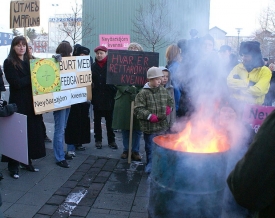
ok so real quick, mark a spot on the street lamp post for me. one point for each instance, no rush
(55, 26)
(238, 31)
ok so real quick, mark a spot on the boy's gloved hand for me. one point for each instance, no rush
(168, 110)
(153, 118)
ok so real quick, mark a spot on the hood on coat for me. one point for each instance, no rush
(169, 82)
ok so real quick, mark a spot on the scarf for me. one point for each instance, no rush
(102, 62)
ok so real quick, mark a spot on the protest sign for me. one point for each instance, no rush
(256, 114)
(129, 67)
(56, 85)
(24, 14)
(14, 147)
(118, 42)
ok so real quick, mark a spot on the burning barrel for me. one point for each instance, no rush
(186, 182)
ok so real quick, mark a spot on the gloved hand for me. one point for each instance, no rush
(168, 110)
(57, 57)
(154, 118)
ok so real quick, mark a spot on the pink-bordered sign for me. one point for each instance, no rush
(118, 42)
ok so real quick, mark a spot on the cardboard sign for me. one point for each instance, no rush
(24, 14)
(256, 114)
(129, 67)
(119, 42)
(14, 147)
(57, 85)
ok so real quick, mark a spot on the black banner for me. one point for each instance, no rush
(129, 67)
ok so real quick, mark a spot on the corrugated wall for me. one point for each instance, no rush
(115, 17)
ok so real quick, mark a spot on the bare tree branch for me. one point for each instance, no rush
(152, 25)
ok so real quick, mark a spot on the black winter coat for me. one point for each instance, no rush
(21, 94)
(78, 125)
(102, 94)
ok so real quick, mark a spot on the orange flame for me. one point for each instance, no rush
(197, 137)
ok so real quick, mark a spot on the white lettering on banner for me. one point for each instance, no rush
(64, 98)
(73, 80)
(78, 95)
(83, 63)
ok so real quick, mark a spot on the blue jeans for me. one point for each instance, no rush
(60, 121)
(135, 140)
(148, 139)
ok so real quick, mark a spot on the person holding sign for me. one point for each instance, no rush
(60, 118)
(152, 106)
(122, 114)
(18, 75)
(102, 98)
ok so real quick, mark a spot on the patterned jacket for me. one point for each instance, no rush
(152, 101)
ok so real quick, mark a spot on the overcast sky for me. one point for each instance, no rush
(225, 14)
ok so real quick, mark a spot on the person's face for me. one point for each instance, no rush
(224, 54)
(165, 77)
(100, 55)
(133, 48)
(155, 82)
(247, 58)
(20, 49)
(208, 46)
(30, 49)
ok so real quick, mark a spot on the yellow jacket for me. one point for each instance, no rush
(249, 87)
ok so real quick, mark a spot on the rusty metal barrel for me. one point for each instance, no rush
(185, 184)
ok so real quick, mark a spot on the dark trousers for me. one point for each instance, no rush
(98, 114)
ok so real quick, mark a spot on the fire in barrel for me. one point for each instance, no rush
(189, 172)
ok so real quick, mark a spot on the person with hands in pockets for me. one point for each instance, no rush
(152, 106)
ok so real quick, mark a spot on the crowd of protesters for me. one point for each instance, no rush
(176, 92)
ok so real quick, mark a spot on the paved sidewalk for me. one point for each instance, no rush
(98, 184)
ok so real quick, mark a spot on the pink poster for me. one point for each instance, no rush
(13, 135)
(117, 42)
(255, 115)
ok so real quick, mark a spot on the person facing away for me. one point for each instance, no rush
(122, 113)
(60, 118)
(270, 96)
(166, 83)
(252, 179)
(152, 106)
(77, 130)
(102, 98)
(18, 75)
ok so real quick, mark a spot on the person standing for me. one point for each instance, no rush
(60, 118)
(122, 115)
(18, 75)
(77, 130)
(2, 85)
(102, 98)
(152, 106)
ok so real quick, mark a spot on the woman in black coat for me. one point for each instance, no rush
(17, 72)
(77, 131)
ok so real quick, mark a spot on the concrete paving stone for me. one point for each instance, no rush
(95, 187)
(63, 191)
(119, 188)
(56, 200)
(48, 184)
(89, 161)
(131, 178)
(77, 176)
(5, 206)
(31, 198)
(88, 202)
(69, 184)
(104, 173)
(58, 215)
(100, 179)
(81, 211)
(84, 168)
(41, 216)
(90, 215)
(140, 204)
(138, 215)
(48, 209)
(10, 195)
(21, 210)
(143, 188)
(94, 170)
(85, 182)
(100, 162)
(114, 201)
